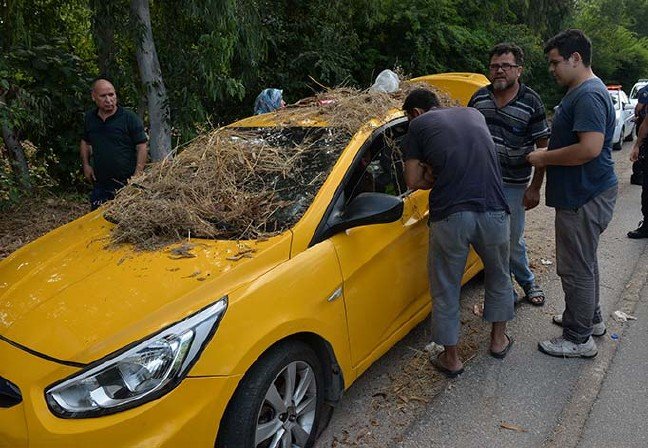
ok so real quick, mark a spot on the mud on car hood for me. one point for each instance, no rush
(69, 297)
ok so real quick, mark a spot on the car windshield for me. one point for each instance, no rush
(293, 179)
(236, 183)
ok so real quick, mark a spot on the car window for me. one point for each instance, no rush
(635, 90)
(311, 153)
(380, 166)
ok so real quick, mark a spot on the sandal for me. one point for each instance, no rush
(504, 352)
(436, 362)
(535, 296)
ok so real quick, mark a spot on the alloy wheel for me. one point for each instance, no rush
(287, 415)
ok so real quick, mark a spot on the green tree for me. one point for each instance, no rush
(619, 54)
(38, 77)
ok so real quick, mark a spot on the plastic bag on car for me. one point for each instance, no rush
(386, 81)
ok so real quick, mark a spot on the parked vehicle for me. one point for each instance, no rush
(114, 347)
(635, 90)
(624, 111)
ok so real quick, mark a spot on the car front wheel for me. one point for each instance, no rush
(278, 403)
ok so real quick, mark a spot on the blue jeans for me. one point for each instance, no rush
(518, 260)
(450, 241)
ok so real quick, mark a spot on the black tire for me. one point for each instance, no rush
(629, 138)
(249, 409)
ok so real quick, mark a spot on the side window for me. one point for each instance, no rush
(380, 167)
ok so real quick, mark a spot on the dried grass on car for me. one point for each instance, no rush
(245, 184)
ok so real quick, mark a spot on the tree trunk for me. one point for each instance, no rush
(151, 76)
(16, 155)
(103, 29)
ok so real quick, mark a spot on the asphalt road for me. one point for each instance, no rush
(529, 399)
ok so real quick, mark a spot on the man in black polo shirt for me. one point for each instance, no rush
(516, 119)
(115, 141)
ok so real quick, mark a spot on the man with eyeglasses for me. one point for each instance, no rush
(449, 152)
(581, 186)
(516, 120)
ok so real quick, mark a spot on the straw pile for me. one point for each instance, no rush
(244, 183)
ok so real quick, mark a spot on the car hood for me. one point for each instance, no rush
(70, 297)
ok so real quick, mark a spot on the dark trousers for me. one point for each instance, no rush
(644, 194)
(99, 195)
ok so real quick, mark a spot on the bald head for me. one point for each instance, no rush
(104, 96)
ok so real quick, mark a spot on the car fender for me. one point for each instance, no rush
(302, 295)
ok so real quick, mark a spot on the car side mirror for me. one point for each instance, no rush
(365, 209)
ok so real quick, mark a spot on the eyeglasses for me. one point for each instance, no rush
(505, 67)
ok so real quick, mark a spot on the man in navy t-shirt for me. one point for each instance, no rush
(581, 186)
(450, 151)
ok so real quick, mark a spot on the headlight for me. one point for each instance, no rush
(138, 373)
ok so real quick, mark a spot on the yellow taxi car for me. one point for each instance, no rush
(118, 348)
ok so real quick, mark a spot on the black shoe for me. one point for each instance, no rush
(640, 232)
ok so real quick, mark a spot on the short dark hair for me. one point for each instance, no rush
(422, 99)
(506, 47)
(569, 42)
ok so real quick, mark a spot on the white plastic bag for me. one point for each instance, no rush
(387, 81)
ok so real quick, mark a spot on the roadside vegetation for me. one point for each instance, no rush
(210, 58)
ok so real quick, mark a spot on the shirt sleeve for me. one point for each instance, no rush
(412, 143)
(590, 113)
(136, 129)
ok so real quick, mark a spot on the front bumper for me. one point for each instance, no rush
(189, 415)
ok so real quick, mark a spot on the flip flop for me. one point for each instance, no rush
(503, 353)
(533, 293)
(436, 362)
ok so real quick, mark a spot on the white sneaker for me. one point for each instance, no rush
(563, 348)
(598, 330)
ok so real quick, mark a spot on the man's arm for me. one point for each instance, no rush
(641, 135)
(589, 146)
(532, 193)
(142, 157)
(418, 175)
(84, 151)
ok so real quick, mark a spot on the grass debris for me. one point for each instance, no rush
(247, 183)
